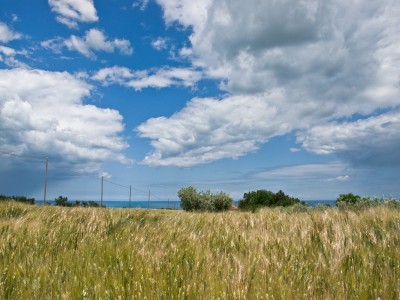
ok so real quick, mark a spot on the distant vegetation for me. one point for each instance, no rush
(191, 200)
(351, 201)
(63, 201)
(17, 199)
(263, 198)
(75, 253)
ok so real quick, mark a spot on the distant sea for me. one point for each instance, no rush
(170, 204)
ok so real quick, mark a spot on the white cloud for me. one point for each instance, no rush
(7, 51)
(42, 114)
(343, 178)
(156, 78)
(7, 34)
(371, 141)
(142, 4)
(328, 60)
(294, 150)
(209, 129)
(93, 41)
(69, 12)
(159, 44)
(7, 56)
(320, 171)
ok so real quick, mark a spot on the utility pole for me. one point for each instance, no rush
(148, 201)
(102, 183)
(130, 195)
(45, 182)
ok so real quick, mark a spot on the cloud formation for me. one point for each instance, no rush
(43, 114)
(70, 12)
(374, 141)
(317, 171)
(7, 34)
(210, 129)
(159, 44)
(93, 41)
(326, 59)
(156, 78)
(7, 56)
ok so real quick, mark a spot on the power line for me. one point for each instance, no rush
(116, 184)
(78, 174)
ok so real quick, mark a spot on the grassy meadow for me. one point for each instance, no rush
(99, 253)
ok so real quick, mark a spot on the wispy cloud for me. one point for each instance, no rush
(7, 34)
(160, 44)
(93, 41)
(154, 78)
(70, 12)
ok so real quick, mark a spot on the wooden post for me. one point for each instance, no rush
(102, 183)
(45, 182)
(130, 195)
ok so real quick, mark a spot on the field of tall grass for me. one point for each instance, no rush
(99, 253)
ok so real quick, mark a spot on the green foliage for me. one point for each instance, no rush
(348, 199)
(263, 198)
(21, 199)
(87, 204)
(62, 201)
(191, 200)
(356, 202)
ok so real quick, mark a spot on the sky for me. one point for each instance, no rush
(233, 96)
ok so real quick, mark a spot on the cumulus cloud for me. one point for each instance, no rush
(156, 78)
(7, 34)
(93, 41)
(374, 141)
(328, 60)
(43, 114)
(70, 12)
(210, 129)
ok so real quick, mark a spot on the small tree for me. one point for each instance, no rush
(222, 202)
(61, 201)
(348, 199)
(191, 200)
(261, 198)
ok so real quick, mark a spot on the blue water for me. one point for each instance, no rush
(170, 204)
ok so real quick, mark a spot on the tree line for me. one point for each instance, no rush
(192, 200)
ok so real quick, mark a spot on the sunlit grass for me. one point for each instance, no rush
(95, 253)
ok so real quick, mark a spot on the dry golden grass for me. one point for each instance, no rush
(92, 253)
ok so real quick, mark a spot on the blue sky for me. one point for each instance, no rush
(222, 95)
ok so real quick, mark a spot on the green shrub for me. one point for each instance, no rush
(191, 200)
(356, 202)
(349, 199)
(263, 198)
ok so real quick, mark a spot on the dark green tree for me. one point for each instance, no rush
(62, 201)
(348, 199)
(263, 198)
